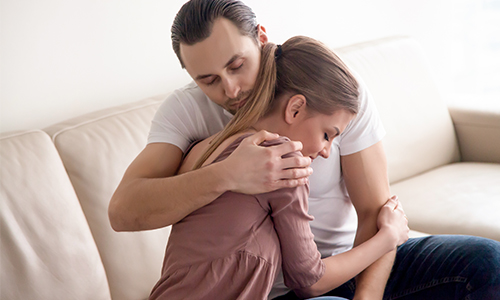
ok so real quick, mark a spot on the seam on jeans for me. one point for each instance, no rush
(469, 287)
(433, 283)
(352, 286)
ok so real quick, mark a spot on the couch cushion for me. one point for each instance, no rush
(96, 149)
(460, 198)
(420, 134)
(47, 248)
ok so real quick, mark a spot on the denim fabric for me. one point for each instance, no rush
(440, 267)
(327, 298)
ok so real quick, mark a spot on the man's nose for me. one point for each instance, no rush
(231, 88)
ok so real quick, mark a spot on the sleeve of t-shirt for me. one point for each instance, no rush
(366, 128)
(172, 123)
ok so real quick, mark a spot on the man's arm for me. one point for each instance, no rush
(152, 196)
(365, 175)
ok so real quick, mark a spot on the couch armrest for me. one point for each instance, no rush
(478, 133)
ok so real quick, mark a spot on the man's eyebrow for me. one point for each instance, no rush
(229, 62)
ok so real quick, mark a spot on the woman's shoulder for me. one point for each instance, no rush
(198, 148)
(193, 152)
(223, 151)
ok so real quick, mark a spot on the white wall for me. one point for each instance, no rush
(60, 58)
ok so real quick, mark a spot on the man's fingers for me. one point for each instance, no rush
(295, 162)
(287, 147)
(296, 173)
(289, 183)
(261, 137)
(278, 150)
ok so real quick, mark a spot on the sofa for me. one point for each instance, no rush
(56, 182)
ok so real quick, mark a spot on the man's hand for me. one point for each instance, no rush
(253, 169)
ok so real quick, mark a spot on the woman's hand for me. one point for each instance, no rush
(392, 220)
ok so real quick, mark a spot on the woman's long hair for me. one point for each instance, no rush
(303, 66)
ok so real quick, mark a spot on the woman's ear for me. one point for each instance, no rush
(261, 35)
(295, 109)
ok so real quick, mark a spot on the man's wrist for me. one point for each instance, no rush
(223, 178)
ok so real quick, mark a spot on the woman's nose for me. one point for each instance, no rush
(325, 152)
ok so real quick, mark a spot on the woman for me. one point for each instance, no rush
(234, 247)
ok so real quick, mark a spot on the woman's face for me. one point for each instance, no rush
(317, 131)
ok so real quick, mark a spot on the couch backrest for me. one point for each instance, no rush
(96, 149)
(47, 249)
(420, 134)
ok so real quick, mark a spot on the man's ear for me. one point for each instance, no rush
(295, 109)
(261, 35)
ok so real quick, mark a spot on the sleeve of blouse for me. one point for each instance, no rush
(301, 260)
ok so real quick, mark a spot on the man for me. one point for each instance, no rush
(218, 43)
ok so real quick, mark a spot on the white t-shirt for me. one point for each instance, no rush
(188, 115)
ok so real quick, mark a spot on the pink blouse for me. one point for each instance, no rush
(234, 247)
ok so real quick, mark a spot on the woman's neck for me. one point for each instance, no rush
(272, 123)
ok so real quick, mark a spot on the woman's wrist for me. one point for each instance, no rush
(388, 237)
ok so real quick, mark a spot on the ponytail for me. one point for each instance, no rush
(258, 103)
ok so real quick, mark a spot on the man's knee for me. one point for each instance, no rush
(485, 261)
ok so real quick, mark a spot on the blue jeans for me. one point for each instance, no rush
(439, 267)
(327, 298)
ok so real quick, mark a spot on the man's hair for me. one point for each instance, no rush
(302, 65)
(194, 21)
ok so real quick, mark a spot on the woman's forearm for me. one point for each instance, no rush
(342, 267)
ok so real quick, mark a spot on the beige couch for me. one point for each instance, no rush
(56, 241)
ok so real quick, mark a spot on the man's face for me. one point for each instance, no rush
(224, 65)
